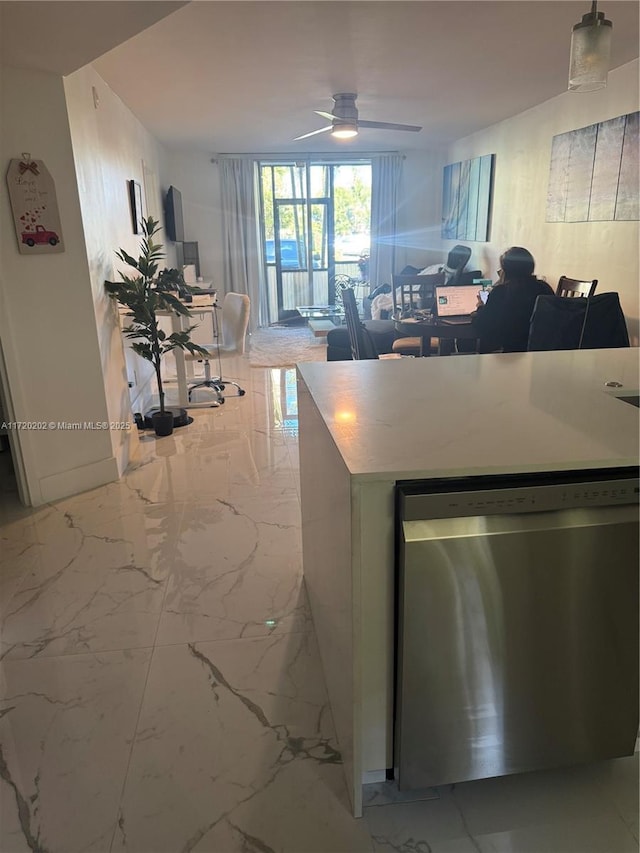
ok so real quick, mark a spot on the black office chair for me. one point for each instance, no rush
(457, 259)
(577, 323)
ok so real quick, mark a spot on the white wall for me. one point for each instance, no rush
(111, 147)
(198, 180)
(47, 320)
(420, 213)
(607, 251)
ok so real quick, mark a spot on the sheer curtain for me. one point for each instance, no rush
(242, 260)
(386, 171)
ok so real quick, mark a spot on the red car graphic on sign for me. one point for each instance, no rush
(40, 235)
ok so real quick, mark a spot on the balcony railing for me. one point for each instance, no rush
(297, 290)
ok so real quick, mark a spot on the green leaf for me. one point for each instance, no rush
(143, 350)
(127, 259)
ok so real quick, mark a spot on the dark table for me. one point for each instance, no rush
(436, 328)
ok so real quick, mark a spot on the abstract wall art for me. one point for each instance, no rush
(466, 199)
(594, 173)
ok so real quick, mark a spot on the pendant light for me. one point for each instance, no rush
(590, 51)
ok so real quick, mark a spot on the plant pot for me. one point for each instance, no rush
(162, 423)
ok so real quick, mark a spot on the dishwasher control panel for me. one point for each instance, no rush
(532, 497)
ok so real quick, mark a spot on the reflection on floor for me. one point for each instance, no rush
(162, 686)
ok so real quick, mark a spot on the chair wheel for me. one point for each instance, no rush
(241, 392)
(221, 400)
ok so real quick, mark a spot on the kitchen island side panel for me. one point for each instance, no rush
(325, 492)
(373, 560)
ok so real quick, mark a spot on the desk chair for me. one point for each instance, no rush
(457, 259)
(570, 287)
(231, 340)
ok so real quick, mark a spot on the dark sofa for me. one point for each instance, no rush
(382, 331)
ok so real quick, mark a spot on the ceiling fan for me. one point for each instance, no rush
(345, 122)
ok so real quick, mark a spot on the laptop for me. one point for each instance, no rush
(455, 304)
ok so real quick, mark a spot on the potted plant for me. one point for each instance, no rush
(144, 295)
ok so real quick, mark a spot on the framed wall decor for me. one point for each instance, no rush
(151, 192)
(32, 193)
(593, 175)
(466, 199)
(135, 201)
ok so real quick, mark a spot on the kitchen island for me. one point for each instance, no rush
(366, 425)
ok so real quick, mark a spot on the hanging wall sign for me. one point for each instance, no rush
(35, 207)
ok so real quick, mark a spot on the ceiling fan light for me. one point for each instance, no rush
(590, 52)
(344, 130)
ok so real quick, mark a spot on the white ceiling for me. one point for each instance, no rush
(246, 76)
(63, 36)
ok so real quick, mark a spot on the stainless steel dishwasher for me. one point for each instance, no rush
(517, 624)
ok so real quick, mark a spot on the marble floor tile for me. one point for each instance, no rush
(419, 826)
(188, 571)
(544, 797)
(237, 572)
(66, 727)
(19, 552)
(620, 782)
(98, 582)
(589, 835)
(535, 824)
(248, 756)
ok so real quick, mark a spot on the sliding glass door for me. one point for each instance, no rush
(315, 223)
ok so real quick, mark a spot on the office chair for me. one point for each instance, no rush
(570, 287)
(231, 340)
(457, 259)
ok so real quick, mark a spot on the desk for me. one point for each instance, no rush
(435, 328)
(201, 305)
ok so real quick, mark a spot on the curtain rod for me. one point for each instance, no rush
(288, 156)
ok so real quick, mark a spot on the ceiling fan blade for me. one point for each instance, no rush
(385, 125)
(314, 132)
(325, 115)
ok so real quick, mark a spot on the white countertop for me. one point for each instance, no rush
(479, 414)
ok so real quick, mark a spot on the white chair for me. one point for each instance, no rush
(231, 340)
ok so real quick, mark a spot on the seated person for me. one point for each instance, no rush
(502, 322)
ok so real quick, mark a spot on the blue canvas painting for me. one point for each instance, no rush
(466, 199)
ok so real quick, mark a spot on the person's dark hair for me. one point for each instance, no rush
(517, 265)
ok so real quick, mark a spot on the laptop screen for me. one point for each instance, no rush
(456, 301)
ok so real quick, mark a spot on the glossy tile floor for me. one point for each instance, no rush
(162, 686)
